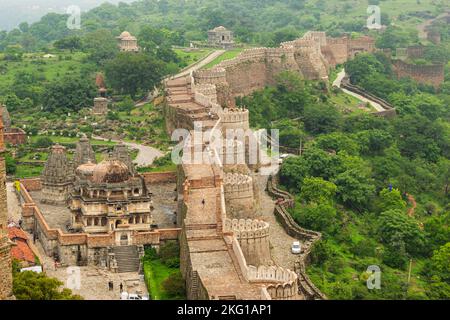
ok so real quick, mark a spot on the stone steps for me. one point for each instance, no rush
(127, 259)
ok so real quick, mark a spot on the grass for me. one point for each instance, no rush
(230, 54)
(347, 103)
(47, 69)
(155, 273)
(70, 140)
(28, 171)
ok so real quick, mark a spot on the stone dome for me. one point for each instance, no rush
(110, 171)
(125, 34)
(86, 169)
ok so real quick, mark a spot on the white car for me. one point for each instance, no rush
(296, 247)
(132, 296)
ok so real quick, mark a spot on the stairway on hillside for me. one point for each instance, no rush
(127, 258)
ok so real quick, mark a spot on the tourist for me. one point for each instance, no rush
(121, 287)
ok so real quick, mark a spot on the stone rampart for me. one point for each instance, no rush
(253, 237)
(426, 74)
(239, 195)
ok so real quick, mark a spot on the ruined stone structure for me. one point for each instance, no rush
(426, 74)
(127, 42)
(83, 152)
(221, 37)
(57, 176)
(14, 136)
(107, 197)
(100, 106)
(5, 245)
(339, 50)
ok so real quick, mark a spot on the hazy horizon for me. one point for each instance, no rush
(14, 13)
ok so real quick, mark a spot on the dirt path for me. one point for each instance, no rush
(413, 205)
(280, 241)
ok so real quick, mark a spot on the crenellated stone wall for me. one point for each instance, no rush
(253, 237)
(239, 196)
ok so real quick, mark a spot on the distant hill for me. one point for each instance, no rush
(265, 22)
(12, 13)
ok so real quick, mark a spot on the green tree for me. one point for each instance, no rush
(354, 189)
(317, 216)
(391, 200)
(317, 190)
(395, 226)
(29, 285)
(71, 43)
(129, 73)
(69, 93)
(321, 118)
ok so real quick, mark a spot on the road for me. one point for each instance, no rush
(146, 155)
(199, 64)
(337, 83)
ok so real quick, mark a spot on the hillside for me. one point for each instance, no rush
(253, 21)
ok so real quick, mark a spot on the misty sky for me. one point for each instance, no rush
(13, 12)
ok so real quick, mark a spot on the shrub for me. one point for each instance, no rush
(174, 285)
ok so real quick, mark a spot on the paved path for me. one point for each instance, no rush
(199, 64)
(14, 209)
(146, 155)
(280, 241)
(337, 83)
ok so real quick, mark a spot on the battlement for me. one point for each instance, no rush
(247, 228)
(235, 115)
(238, 183)
(210, 76)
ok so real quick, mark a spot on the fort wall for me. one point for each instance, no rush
(253, 237)
(239, 196)
(426, 74)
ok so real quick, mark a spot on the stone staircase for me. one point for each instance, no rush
(127, 258)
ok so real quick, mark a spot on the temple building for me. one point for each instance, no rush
(127, 42)
(221, 37)
(57, 177)
(120, 152)
(107, 197)
(83, 152)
